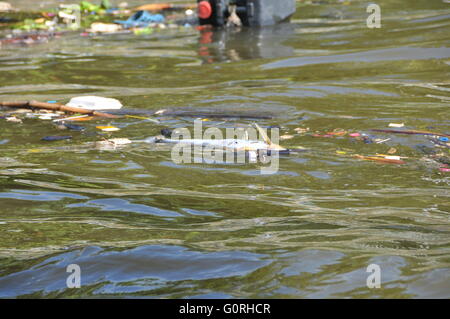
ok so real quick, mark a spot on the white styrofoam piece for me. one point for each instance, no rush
(95, 103)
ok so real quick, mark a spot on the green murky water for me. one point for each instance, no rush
(140, 225)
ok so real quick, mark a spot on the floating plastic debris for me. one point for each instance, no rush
(392, 150)
(391, 156)
(119, 141)
(286, 137)
(379, 141)
(301, 130)
(99, 27)
(21, 111)
(321, 135)
(5, 6)
(113, 143)
(159, 112)
(397, 158)
(438, 143)
(381, 159)
(108, 128)
(47, 116)
(95, 103)
(226, 144)
(13, 119)
(396, 124)
(56, 138)
(337, 132)
(231, 144)
(141, 19)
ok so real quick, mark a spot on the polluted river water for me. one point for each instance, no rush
(139, 224)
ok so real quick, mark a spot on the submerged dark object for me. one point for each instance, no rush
(443, 159)
(56, 138)
(6, 20)
(73, 127)
(426, 150)
(166, 132)
(367, 140)
(250, 12)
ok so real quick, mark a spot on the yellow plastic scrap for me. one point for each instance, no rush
(108, 128)
(137, 117)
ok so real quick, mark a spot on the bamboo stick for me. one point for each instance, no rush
(55, 107)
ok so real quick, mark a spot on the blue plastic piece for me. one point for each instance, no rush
(443, 139)
(51, 101)
(56, 138)
(141, 19)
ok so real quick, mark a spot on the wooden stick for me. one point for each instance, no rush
(55, 107)
(380, 159)
(411, 132)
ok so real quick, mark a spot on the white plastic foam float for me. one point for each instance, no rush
(95, 103)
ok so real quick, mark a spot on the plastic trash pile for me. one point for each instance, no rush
(438, 154)
(435, 151)
(90, 18)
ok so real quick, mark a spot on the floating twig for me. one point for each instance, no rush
(410, 132)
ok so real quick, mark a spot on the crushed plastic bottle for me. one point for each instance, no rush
(141, 19)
